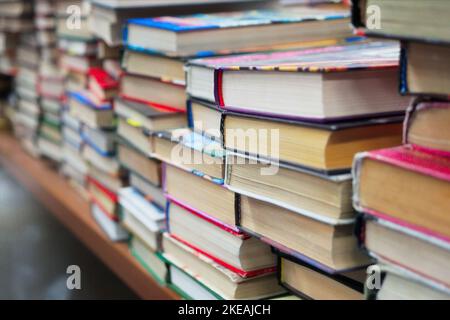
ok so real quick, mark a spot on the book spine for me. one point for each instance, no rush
(403, 75)
(218, 87)
(157, 106)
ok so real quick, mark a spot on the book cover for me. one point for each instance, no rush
(85, 97)
(200, 22)
(104, 80)
(349, 282)
(332, 59)
(408, 159)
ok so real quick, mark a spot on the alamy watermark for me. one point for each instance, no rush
(74, 279)
(254, 142)
(373, 17)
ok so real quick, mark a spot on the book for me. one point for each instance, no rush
(146, 117)
(332, 248)
(49, 149)
(104, 142)
(107, 164)
(318, 84)
(220, 282)
(214, 200)
(393, 243)
(187, 286)
(323, 197)
(204, 34)
(134, 135)
(244, 255)
(15, 8)
(397, 19)
(82, 107)
(149, 259)
(323, 147)
(112, 229)
(155, 93)
(309, 282)
(104, 198)
(113, 182)
(412, 180)
(402, 285)
(421, 74)
(77, 47)
(141, 218)
(190, 151)
(152, 193)
(426, 126)
(102, 85)
(135, 161)
(79, 64)
(72, 157)
(109, 16)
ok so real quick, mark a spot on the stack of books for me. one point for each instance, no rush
(27, 116)
(50, 85)
(406, 225)
(77, 53)
(290, 123)
(152, 103)
(15, 18)
(196, 157)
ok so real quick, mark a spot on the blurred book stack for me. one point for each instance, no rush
(24, 64)
(50, 85)
(15, 18)
(115, 162)
(151, 99)
(406, 223)
(77, 52)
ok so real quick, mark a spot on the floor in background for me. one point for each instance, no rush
(35, 251)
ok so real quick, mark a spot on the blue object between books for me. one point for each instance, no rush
(87, 102)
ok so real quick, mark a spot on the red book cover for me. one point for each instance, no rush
(408, 159)
(108, 193)
(103, 79)
(242, 273)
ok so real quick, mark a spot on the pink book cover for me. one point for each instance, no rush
(409, 159)
(421, 105)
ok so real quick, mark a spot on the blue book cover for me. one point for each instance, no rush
(198, 22)
(85, 99)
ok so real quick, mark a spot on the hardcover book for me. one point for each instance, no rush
(398, 19)
(315, 84)
(204, 34)
(221, 282)
(309, 282)
(426, 126)
(246, 256)
(392, 244)
(421, 74)
(412, 180)
(190, 151)
(323, 147)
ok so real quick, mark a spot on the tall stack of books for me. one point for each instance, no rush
(77, 53)
(197, 159)
(27, 116)
(152, 99)
(50, 86)
(15, 18)
(290, 123)
(404, 192)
